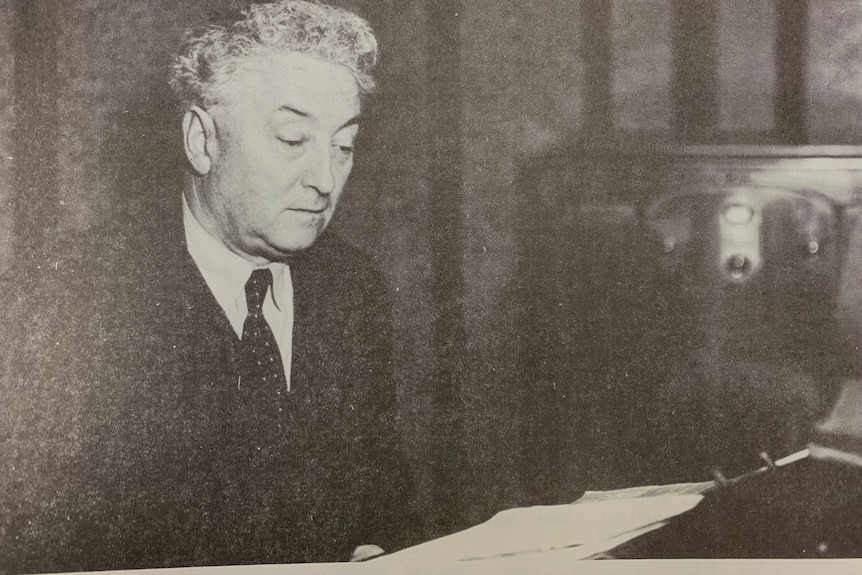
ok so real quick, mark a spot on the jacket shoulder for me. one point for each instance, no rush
(332, 259)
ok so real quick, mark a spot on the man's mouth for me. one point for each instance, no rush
(311, 210)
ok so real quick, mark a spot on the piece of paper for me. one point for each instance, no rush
(595, 523)
(648, 491)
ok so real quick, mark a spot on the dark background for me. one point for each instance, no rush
(498, 182)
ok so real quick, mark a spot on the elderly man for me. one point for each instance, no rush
(216, 389)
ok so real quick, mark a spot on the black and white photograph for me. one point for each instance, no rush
(430, 286)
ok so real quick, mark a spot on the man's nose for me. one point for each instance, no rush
(318, 173)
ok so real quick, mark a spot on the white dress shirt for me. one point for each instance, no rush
(226, 274)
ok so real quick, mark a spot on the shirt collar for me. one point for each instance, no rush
(225, 272)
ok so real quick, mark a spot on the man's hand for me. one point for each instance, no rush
(365, 552)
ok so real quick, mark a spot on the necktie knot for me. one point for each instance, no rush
(256, 287)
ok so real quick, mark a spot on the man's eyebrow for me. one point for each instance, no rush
(351, 122)
(293, 110)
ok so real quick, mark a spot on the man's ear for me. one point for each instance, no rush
(199, 140)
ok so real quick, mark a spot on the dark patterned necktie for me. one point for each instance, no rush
(262, 365)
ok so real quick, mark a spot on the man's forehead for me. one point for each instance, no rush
(290, 79)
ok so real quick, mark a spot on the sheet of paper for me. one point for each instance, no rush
(648, 491)
(588, 523)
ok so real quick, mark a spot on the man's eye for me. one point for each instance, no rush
(343, 153)
(291, 143)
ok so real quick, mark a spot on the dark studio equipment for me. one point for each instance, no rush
(688, 310)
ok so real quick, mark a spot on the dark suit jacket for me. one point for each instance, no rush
(127, 442)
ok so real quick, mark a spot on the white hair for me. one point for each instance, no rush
(210, 55)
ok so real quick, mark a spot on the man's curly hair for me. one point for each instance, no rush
(209, 55)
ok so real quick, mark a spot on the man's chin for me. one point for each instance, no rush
(297, 242)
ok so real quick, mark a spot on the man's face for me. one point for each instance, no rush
(285, 134)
